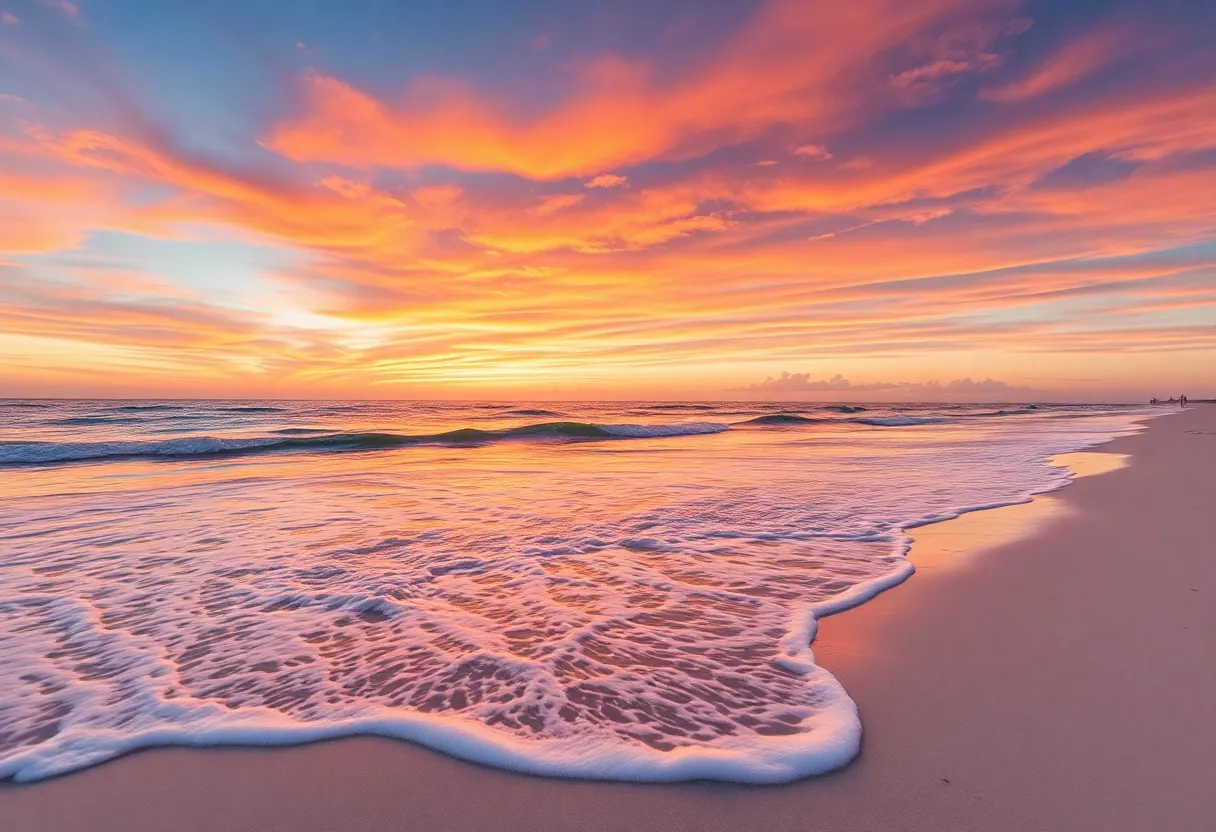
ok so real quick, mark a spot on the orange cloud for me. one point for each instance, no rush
(1143, 126)
(783, 68)
(337, 213)
(40, 213)
(553, 203)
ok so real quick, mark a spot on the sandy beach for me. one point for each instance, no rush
(1049, 667)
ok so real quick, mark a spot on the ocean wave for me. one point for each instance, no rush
(900, 420)
(148, 408)
(891, 421)
(681, 406)
(782, 419)
(845, 408)
(531, 412)
(35, 453)
(654, 431)
(252, 409)
(84, 421)
(41, 453)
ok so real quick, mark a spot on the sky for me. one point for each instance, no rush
(916, 199)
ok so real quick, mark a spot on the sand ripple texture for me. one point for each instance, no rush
(634, 609)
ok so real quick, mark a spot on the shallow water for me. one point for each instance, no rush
(616, 590)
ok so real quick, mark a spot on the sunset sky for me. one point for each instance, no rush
(615, 199)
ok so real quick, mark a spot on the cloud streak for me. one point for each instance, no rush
(782, 67)
(803, 384)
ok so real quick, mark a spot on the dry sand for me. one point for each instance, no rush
(1063, 680)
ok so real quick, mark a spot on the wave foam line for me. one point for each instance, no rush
(893, 421)
(833, 741)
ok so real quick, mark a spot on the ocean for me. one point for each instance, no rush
(620, 590)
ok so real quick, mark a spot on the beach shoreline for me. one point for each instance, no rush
(989, 698)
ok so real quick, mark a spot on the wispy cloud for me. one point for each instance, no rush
(621, 112)
(812, 151)
(1075, 60)
(800, 384)
(65, 7)
(606, 180)
(552, 203)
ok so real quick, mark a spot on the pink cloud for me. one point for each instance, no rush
(606, 180)
(813, 151)
(929, 73)
(68, 8)
(552, 203)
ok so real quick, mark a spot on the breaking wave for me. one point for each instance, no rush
(899, 421)
(530, 412)
(782, 419)
(38, 453)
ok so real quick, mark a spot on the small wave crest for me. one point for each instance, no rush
(682, 406)
(530, 412)
(147, 408)
(782, 419)
(900, 421)
(34, 453)
(891, 421)
(253, 410)
(85, 421)
(655, 431)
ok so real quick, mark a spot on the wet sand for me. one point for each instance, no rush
(1049, 667)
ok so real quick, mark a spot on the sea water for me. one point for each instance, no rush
(606, 590)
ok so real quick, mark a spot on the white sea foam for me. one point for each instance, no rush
(637, 611)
